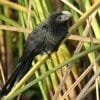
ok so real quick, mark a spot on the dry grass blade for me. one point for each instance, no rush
(27, 30)
(61, 84)
(16, 29)
(2, 73)
(77, 81)
(79, 97)
(71, 6)
(15, 6)
(84, 16)
(90, 89)
(84, 34)
(83, 39)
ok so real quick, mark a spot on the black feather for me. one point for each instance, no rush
(45, 37)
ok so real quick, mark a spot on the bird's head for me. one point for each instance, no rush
(60, 21)
(60, 17)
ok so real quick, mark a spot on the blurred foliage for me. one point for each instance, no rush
(26, 14)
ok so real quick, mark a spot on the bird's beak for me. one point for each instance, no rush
(66, 15)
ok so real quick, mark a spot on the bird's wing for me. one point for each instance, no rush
(32, 47)
(33, 44)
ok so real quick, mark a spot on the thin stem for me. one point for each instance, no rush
(12, 94)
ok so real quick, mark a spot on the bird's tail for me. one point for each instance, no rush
(21, 69)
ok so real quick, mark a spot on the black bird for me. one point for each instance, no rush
(45, 37)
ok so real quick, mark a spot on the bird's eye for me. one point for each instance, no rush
(59, 17)
(45, 27)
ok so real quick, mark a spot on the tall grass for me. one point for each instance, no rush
(17, 18)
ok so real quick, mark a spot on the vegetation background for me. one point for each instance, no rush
(73, 80)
